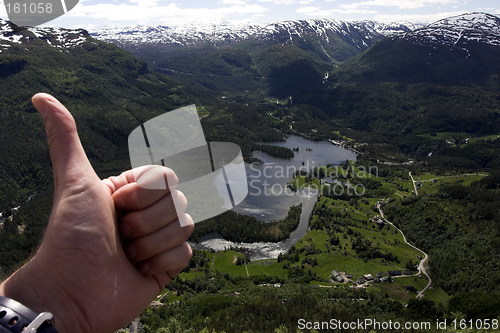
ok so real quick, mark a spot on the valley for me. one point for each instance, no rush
(358, 247)
(404, 228)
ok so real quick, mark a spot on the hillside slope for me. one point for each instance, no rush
(110, 93)
(283, 58)
(439, 79)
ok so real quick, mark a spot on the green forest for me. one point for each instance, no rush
(272, 295)
(426, 128)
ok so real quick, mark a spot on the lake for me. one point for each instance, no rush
(269, 199)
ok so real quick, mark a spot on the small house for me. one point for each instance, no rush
(368, 277)
(411, 289)
(394, 273)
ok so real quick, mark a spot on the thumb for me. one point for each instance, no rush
(69, 161)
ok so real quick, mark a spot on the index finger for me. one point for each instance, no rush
(134, 197)
(141, 187)
(142, 173)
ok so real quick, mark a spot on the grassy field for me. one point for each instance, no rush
(225, 262)
(485, 138)
(397, 290)
(356, 214)
(445, 135)
(352, 265)
(437, 295)
(314, 237)
(267, 267)
(191, 275)
(431, 183)
(459, 138)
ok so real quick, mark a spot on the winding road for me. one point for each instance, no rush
(414, 184)
(421, 265)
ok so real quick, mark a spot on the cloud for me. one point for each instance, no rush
(319, 12)
(145, 3)
(151, 12)
(400, 4)
(424, 18)
(232, 2)
(288, 2)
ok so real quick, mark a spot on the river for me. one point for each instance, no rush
(269, 199)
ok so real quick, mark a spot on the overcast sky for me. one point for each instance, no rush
(92, 13)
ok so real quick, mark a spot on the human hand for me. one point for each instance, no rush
(81, 273)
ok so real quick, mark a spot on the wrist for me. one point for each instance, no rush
(34, 291)
(16, 317)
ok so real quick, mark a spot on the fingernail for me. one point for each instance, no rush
(131, 252)
(145, 268)
(125, 230)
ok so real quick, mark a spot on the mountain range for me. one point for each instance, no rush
(109, 91)
(228, 57)
(10, 35)
(250, 52)
(355, 77)
(352, 35)
(481, 27)
(329, 75)
(416, 98)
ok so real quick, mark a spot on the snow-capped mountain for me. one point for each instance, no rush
(394, 28)
(459, 50)
(11, 34)
(363, 34)
(459, 31)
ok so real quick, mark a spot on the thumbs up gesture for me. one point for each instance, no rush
(110, 246)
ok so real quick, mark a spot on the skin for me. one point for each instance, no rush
(110, 246)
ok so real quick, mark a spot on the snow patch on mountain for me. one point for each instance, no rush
(363, 33)
(63, 39)
(396, 28)
(459, 31)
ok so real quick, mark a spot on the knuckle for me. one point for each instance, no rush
(136, 224)
(144, 248)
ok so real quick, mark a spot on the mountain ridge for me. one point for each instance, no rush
(287, 31)
(474, 26)
(11, 34)
(459, 50)
(459, 30)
